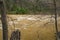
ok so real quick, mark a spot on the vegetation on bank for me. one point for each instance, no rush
(27, 7)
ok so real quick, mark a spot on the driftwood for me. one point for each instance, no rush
(58, 35)
(15, 35)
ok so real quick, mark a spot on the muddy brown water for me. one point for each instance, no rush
(32, 27)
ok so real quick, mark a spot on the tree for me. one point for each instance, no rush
(4, 20)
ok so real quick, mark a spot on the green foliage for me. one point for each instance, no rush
(26, 6)
(21, 10)
(18, 10)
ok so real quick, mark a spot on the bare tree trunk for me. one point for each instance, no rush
(4, 20)
(56, 25)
